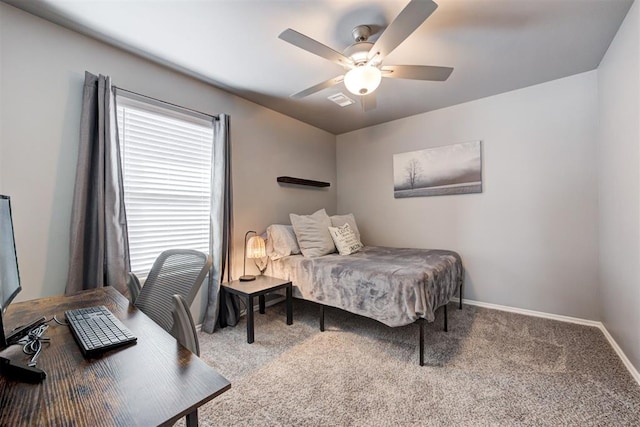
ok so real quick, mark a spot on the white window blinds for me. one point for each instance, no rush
(166, 164)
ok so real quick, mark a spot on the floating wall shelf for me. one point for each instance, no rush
(300, 181)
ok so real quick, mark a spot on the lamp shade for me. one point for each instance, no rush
(256, 247)
(362, 80)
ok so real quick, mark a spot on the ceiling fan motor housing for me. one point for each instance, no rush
(358, 52)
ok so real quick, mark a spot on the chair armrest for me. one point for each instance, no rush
(184, 330)
(134, 287)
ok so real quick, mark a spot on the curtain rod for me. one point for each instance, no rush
(168, 103)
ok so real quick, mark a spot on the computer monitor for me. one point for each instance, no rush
(9, 274)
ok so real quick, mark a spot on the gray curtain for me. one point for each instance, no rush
(99, 240)
(222, 309)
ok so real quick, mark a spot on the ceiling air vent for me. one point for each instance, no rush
(341, 99)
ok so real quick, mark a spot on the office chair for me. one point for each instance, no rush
(167, 294)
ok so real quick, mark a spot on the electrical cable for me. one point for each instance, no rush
(60, 322)
(32, 343)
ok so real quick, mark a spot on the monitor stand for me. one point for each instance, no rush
(18, 333)
(10, 368)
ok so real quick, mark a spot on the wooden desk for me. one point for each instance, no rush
(154, 382)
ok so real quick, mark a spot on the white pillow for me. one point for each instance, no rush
(281, 241)
(338, 220)
(312, 233)
(345, 239)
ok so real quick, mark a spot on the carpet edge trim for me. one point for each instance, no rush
(625, 360)
(612, 342)
(533, 313)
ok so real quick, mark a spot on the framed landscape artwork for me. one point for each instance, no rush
(452, 169)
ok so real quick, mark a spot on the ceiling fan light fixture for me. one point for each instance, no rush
(362, 80)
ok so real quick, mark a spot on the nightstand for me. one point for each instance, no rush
(259, 287)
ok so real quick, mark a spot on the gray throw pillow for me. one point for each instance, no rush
(281, 241)
(312, 233)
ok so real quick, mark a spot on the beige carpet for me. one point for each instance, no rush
(491, 368)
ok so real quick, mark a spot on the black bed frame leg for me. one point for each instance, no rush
(321, 318)
(421, 323)
(445, 318)
(460, 307)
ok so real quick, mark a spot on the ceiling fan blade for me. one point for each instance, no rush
(411, 17)
(313, 89)
(369, 102)
(417, 72)
(315, 47)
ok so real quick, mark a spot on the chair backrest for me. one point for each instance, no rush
(174, 272)
(184, 330)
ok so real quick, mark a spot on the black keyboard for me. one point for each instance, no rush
(97, 330)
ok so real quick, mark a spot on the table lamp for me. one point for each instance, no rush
(254, 248)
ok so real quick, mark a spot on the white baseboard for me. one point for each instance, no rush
(632, 370)
(533, 313)
(623, 357)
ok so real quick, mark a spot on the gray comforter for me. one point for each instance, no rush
(395, 286)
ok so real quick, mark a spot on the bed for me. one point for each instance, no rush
(395, 286)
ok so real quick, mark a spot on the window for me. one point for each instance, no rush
(166, 165)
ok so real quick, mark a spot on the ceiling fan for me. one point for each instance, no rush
(362, 61)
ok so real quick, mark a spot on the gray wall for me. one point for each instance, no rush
(527, 241)
(41, 85)
(619, 184)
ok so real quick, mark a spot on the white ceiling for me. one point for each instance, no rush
(494, 46)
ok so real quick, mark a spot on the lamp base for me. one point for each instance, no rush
(247, 278)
